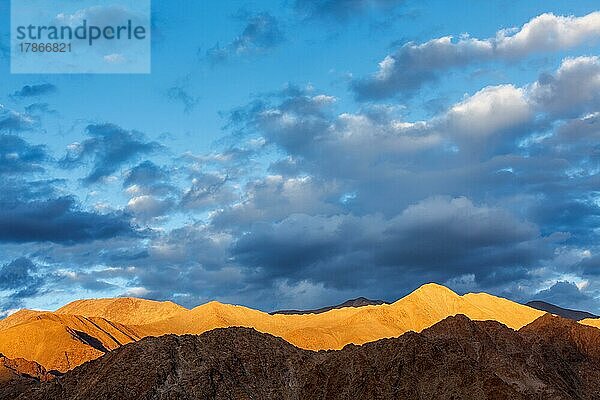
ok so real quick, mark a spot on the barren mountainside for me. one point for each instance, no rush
(457, 358)
(87, 329)
(338, 327)
(18, 375)
(124, 310)
(60, 341)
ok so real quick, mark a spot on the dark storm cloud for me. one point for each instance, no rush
(19, 278)
(413, 65)
(18, 156)
(354, 201)
(569, 295)
(441, 237)
(261, 33)
(35, 90)
(342, 9)
(589, 267)
(59, 221)
(16, 274)
(109, 148)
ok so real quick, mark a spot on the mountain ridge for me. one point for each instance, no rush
(568, 313)
(456, 358)
(62, 341)
(357, 302)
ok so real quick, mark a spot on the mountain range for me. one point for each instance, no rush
(136, 339)
(457, 358)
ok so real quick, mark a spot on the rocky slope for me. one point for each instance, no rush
(457, 358)
(19, 375)
(59, 341)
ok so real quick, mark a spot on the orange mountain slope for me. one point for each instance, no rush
(334, 329)
(124, 310)
(61, 342)
(84, 330)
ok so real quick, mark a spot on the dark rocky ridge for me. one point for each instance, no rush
(19, 375)
(561, 312)
(552, 358)
(358, 302)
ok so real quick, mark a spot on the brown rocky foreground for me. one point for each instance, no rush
(457, 358)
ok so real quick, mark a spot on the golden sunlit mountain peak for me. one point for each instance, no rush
(124, 310)
(85, 329)
(436, 289)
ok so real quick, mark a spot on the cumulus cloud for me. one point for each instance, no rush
(18, 156)
(261, 33)
(360, 191)
(436, 238)
(148, 178)
(108, 148)
(146, 207)
(491, 110)
(274, 197)
(497, 192)
(39, 108)
(57, 220)
(569, 295)
(574, 88)
(207, 191)
(405, 71)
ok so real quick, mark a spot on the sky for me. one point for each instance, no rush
(296, 153)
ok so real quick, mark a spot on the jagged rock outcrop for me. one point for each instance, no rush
(18, 375)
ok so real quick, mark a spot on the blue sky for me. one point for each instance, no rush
(287, 154)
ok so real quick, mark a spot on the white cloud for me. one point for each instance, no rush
(146, 206)
(412, 65)
(572, 90)
(490, 110)
(548, 32)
